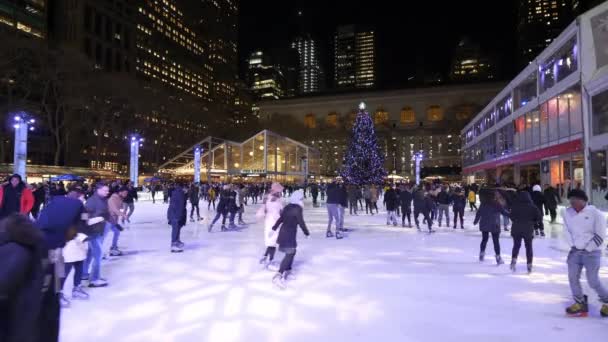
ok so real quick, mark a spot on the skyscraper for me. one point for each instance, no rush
(470, 64)
(311, 77)
(354, 58)
(25, 16)
(266, 79)
(540, 21)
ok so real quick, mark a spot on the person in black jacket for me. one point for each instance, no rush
(488, 217)
(176, 215)
(343, 197)
(423, 205)
(194, 196)
(291, 218)
(551, 201)
(444, 199)
(129, 202)
(222, 208)
(539, 200)
(39, 197)
(459, 204)
(524, 215)
(333, 211)
(391, 202)
(314, 192)
(406, 197)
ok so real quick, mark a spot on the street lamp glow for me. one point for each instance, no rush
(32, 121)
(31, 128)
(17, 118)
(362, 106)
(16, 126)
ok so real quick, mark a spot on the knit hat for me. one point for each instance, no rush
(537, 188)
(297, 197)
(276, 187)
(577, 193)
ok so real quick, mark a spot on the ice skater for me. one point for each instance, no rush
(423, 205)
(176, 215)
(586, 227)
(270, 211)
(488, 217)
(406, 197)
(333, 211)
(390, 203)
(288, 222)
(524, 215)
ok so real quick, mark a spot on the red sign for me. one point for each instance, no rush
(547, 152)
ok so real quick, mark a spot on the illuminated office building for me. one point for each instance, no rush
(354, 58)
(470, 64)
(25, 16)
(311, 78)
(266, 80)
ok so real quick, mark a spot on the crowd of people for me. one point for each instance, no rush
(65, 227)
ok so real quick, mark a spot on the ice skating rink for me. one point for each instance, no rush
(378, 284)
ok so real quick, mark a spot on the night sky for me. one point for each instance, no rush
(418, 39)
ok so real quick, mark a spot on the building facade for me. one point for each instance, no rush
(470, 64)
(311, 78)
(29, 17)
(266, 79)
(354, 58)
(407, 122)
(547, 126)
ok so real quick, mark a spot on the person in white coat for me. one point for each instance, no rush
(270, 211)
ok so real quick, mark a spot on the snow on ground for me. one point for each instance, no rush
(378, 284)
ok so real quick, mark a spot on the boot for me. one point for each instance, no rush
(339, 235)
(529, 268)
(329, 234)
(536, 232)
(481, 256)
(279, 280)
(499, 260)
(175, 248)
(578, 309)
(513, 264)
(542, 233)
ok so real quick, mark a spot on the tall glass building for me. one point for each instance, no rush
(548, 125)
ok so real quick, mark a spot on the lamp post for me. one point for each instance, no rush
(417, 159)
(22, 124)
(136, 142)
(197, 164)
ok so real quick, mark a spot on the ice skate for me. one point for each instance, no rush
(418, 227)
(242, 223)
(536, 232)
(403, 224)
(180, 244)
(191, 219)
(223, 229)
(499, 260)
(481, 256)
(513, 265)
(175, 248)
(578, 309)
(199, 219)
(210, 227)
(279, 281)
(506, 229)
(79, 293)
(115, 252)
(542, 233)
(329, 234)
(63, 301)
(290, 275)
(263, 260)
(232, 226)
(98, 283)
(529, 266)
(339, 235)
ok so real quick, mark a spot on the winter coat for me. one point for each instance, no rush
(472, 196)
(539, 199)
(131, 196)
(232, 201)
(551, 198)
(193, 195)
(391, 200)
(114, 207)
(422, 203)
(352, 193)
(443, 198)
(459, 201)
(488, 217)
(373, 194)
(586, 229)
(524, 215)
(22, 202)
(222, 206)
(177, 207)
(333, 194)
(21, 281)
(406, 197)
(76, 249)
(343, 196)
(290, 219)
(271, 212)
(57, 217)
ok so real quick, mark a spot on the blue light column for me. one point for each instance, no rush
(197, 164)
(134, 160)
(418, 159)
(22, 126)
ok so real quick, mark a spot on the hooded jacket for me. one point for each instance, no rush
(537, 197)
(460, 202)
(406, 197)
(422, 202)
(524, 215)
(290, 219)
(488, 217)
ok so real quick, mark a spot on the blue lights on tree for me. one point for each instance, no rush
(363, 163)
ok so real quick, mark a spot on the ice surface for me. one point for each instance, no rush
(378, 284)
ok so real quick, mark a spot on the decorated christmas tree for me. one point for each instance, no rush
(363, 163)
